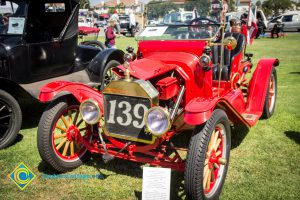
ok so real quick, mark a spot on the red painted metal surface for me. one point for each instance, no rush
(189, 46)
(167, 88)
(80, 91)
(259, 84)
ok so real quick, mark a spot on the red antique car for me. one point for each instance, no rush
(183, 77)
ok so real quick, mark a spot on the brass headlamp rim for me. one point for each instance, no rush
(93, 101)
(168, 119)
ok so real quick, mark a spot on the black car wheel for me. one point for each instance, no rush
(95, 43)
(10, 119)
(208, 158)
(108, 74)
(59, 130)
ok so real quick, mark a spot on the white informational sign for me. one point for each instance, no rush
(156, 183)
(153, 31)
(16, 25)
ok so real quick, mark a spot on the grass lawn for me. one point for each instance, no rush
(264, 161)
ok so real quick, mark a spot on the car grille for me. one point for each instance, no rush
(125, 105)
(124, 117)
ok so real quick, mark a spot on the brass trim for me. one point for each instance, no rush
(93, 101)
(168, 118)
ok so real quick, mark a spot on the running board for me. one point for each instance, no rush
(81, 76)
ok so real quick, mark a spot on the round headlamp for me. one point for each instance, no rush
(204, 60)
(90, 111)
(157, 121)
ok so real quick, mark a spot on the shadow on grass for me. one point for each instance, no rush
(18, 139)
(238, 134)
(45, 168)
(295, 73)
(293, 135)
(134, 169)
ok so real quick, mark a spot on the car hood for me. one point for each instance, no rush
(158, 63)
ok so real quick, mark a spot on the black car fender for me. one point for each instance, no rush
(14, 89)
(97, 66)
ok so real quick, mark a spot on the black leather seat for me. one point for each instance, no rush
(228, 56)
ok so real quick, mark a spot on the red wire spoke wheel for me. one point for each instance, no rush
(271, 96)
(60, 131)
(207, 159)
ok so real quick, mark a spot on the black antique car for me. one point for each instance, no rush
(39, 44)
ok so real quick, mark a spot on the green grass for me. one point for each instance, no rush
(264, 161)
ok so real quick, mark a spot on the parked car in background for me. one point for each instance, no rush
(101, 22)
(126, 26)
(178, 17)
(83, 21)
(290, 21)
(48, 50)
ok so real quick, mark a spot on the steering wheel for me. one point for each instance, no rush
(200, 20)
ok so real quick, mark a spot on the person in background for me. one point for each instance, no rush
(5, 22)
(110, 34)
(116, 19)
(132, 22)
(235, 25)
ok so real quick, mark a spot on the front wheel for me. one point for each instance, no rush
(208, 158)
(271, 95)
(59, 130)
(10, 119)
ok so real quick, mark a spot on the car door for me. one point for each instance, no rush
(287, 20)
(49, 55)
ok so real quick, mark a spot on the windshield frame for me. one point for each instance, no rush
(213, 37)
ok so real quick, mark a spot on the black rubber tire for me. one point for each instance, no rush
(44, 137)
(267, 113)
(9, 106)
(197, 154)
(95, 43)
(106, 78)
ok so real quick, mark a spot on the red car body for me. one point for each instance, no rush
(170, 65)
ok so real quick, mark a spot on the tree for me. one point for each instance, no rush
(232, 5)
(270, 6)
(258, 4)
(202, 6)
(160, 9)
(85, 4)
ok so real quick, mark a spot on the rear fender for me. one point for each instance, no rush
(14, 89)
(79, 91)
(259, 83)
(97, 66)
(198, 111)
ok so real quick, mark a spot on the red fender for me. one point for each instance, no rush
(199, 110)
(80, 91)
(258, 85)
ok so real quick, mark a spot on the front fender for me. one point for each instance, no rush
(259, 83)
(96, 67)
(199, 110)
(80, 91)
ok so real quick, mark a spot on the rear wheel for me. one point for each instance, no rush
(208, 158)
(10, 119)
(108, 74)
(271, 95)
(59, 133)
